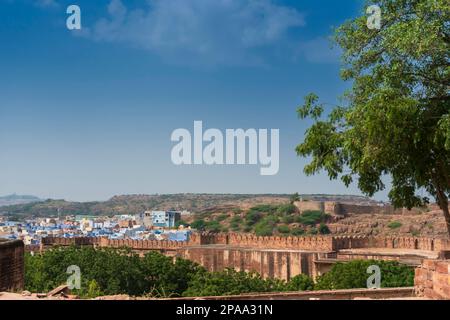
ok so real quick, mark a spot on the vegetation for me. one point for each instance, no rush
(134, 204)
(354, 274)
(323, 229)
(198, 224)
(394, 224)
(109, 271)
(312, 217)
(120, 271)
(266, 220)
(395, 118)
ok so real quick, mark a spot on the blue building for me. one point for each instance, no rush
(165, 219)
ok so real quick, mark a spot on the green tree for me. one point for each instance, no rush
(295, 197)
(300, 282)
(231, 282)
(323, 229)
(198, 224)
(353, 274)
(395, 118)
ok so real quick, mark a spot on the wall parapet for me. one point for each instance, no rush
(307, 243)
(432, 279)
(11, 265)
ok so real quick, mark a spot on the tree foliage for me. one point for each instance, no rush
(395, 118)
(354, 274)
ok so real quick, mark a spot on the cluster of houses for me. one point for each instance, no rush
(153, 225)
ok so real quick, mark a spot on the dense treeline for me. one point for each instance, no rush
(110, 271)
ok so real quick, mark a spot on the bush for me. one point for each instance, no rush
(236, 219)
(323, 229)
(222, 217)
(109, 271)
(181, 222)
(263, 229)
(235, 226)
(283, 229)
(198, 224)
(287, 219)
(394, 225)
(266, 208)
(353, 274)
(311, 218)
(214, 226)
(286, 209)
(300, 282)
(231, 282)
(297, 232)
(252, 217)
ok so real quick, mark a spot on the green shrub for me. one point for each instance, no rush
(222, 217)
(323, 229)
(236, 219)
(287, 219)
(297, 232)
(300, 282)
(231, 282)
(181, 222)
(214, 226)
(286, 209)
(354, 274)
(283, 229)
(394, 224)
(266, 208)
(235, 226)
(311, 218)
(199, 224)
(109, 271)
(252, 217)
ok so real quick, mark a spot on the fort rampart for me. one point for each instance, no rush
(307, 243)
(343, 208)
(432, 279)
(11, 265)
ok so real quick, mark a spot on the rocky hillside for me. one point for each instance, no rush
(133, 204)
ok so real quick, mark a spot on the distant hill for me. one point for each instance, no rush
(14, 199)
(133, 204)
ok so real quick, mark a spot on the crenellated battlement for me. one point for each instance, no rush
(308, 243)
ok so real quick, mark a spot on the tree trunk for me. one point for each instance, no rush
(443, 204)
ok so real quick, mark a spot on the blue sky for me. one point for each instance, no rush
(88, 114)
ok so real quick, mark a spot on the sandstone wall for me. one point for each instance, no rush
(341, 208)
(268, 263)
(11, 265)
(307, 243)
(432, 279)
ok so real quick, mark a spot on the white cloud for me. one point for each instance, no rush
(201, 31)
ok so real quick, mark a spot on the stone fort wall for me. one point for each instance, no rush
(432, 279)
(273, 257)
(307, 243)
(11, 265)
(341, 208)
